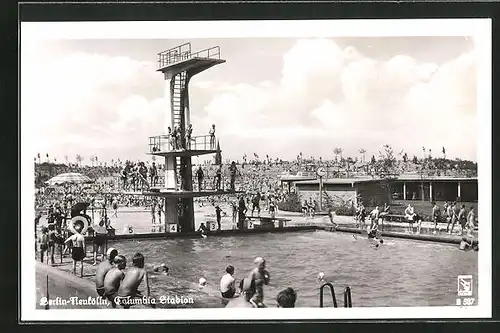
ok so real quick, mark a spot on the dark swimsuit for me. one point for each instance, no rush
(99, 239)
(77, 253)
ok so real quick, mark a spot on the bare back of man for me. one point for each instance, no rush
(103, 268)
(112, 282)
(131, 282)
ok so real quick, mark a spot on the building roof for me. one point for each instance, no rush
(434, 178)
(340, 181)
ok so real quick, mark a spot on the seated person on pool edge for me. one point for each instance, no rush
(114, 278)
(103, 268)
(227, 287)
(133, 278)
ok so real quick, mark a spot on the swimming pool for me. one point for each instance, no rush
(400, 273)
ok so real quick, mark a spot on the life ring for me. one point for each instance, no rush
(78, 219)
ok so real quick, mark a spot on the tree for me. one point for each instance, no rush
(373, 159)
(38, 155)
(423, 149)
(444, 153)
(362, 151)
(47, 157)
(415, 159)
(387, 164)
(79, 159)
(66, 159)
(430, 153)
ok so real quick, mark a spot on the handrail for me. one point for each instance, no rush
(347, 297)
(177, 54)
(332, 290)
(176, 47)
(162, 143)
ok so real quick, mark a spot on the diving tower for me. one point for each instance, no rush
(178, 66)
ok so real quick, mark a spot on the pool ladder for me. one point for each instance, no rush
(347, 296)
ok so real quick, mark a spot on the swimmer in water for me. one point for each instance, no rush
(202, 282)
(103, 268)
(286, 298)
(321, 277)
(162, 268)
(114, 278)
(259, 276)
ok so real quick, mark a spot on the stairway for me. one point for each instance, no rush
(178, 114)
(177, 105)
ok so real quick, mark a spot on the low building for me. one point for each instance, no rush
(344, 191)
(436, 188)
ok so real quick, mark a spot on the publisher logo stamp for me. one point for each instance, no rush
(464, 285)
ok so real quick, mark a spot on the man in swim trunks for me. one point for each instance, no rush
(227, 287)
(436, 216)
(218, 177)
(115, 207)
(455, 210)
(256, 203)
(286, 298)
(374, 216)
(100, 236)
(44, 243)
(242, 210)
(234, 207)
(114, 278)
(78, 250)
(102, 269)
(471, 221)
(258, 277)
(462, 219)
(218, 212)
(132, 280)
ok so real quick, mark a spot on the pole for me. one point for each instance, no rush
(320, 194)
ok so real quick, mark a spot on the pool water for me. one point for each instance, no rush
(399, 273)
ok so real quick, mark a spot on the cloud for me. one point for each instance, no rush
(84, 103)
(326, 96)
(355, 101)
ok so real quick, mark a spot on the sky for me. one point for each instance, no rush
(276, 96)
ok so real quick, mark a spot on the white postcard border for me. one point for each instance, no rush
(479, 29)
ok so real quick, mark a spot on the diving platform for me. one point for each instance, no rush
(180, 59)
(170, 193)
(164, 145)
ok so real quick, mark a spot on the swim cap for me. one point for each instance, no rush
(321, 275)
(202, 282)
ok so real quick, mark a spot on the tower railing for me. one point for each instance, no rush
(183, 53)
(165, 143)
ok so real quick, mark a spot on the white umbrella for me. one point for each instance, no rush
(72, 177)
